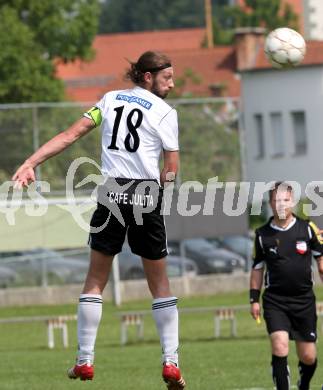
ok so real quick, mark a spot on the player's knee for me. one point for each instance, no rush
(280, 348)
(308, 358)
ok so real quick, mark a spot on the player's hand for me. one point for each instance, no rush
(167, 178)
(255, 310)
(24, 176)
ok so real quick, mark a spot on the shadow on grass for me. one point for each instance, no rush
(40, 348)
(132, 343)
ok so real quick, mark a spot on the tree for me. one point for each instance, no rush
(34, 34)
(182, 83)
(256, 13)
(118, 16)
(26, 76)
(209, 145)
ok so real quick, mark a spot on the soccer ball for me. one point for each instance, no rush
(285, 48)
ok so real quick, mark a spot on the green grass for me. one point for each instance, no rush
(225, 363)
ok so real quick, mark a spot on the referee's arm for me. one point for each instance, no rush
(256, 278)
(319, 261)
(316, 243)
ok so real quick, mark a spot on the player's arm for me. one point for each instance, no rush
(25, 173)
(169, 171)
(168, 133)
(256, 278)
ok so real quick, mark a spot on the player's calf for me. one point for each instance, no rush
(280, 372)
(306, 372)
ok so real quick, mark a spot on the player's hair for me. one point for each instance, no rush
(150, 61)
(281, 185)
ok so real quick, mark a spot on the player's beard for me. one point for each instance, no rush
(156, 91)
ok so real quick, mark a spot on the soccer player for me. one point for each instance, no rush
(137, 126)
(284, 246)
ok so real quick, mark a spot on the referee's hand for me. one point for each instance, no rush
(255, 310)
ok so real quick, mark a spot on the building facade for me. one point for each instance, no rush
(282, 115)
(313, 19)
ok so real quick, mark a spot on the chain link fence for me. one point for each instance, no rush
(209, 139)
(209, 147)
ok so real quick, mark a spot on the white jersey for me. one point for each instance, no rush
(136, 126)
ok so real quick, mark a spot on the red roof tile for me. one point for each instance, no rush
(113, 49)
(314, 56)
(88, 81)
(216, 66)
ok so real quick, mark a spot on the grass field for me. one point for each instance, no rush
(225, 363)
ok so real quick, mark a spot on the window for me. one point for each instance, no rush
(260, 137)
(299, 128)
(276, 123)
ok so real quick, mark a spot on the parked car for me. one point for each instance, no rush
(42, 266)
(130, 265)
(207, 257)
(242, 245)
(239, 244)
(7, 277)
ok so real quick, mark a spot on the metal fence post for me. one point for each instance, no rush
(115, 282)
(36, 142)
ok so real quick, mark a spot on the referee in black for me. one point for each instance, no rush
(283, 248)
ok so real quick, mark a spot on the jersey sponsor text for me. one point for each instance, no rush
(135, 99)
(131, 199)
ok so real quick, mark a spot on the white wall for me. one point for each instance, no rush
(130, 290)
(267, 91)
(313, 19)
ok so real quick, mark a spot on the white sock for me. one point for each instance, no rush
(166, 317)
(88, 319)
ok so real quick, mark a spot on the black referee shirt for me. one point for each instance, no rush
(287, 255)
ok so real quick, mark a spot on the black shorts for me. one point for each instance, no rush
(295, 315)
(132, 207)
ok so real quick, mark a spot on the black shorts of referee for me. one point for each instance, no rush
(119, 202)
(293, 314)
